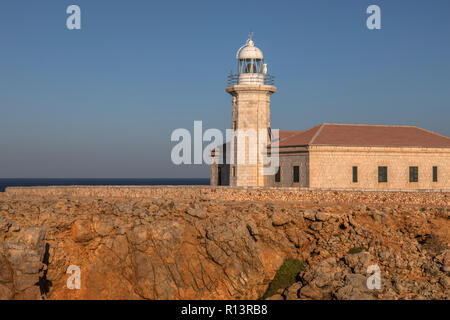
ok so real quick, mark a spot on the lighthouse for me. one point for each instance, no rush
(328, 155)
(250, 89)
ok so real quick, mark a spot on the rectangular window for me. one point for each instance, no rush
(296, 174)
(233, 171)
(382, 174)
(355, 174)
(435, 174)
(278, 175)
(233, 125)
(413, 174)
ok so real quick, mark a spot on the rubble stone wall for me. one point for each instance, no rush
(405, 197)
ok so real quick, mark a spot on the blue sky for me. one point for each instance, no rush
(101, 102)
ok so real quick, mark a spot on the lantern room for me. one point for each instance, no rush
(251, 66)
(250, 58)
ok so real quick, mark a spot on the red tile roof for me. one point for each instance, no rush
(364, 135)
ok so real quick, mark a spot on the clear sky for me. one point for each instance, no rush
(101, 102)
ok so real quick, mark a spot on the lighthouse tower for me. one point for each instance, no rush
(250, 89)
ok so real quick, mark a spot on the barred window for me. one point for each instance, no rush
(435, 174)
(296, 174)
(382, 174)
(413, 174)
(355, 174)
(278, 175)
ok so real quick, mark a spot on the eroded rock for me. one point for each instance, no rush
(198, 246)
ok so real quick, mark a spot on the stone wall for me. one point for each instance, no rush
(220, 172)
(331, 167)
(287, 163)
(251, 111)
(202, 193)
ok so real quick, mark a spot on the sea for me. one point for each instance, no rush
(4, 183)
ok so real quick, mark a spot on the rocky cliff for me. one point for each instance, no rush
(216, 243)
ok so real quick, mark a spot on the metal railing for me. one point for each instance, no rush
(233, 79)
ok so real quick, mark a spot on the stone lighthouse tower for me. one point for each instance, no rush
(250, 89)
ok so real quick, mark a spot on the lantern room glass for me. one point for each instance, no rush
(250, 66)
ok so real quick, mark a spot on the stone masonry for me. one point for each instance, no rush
(251, 111)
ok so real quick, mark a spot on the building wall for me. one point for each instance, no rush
(331, 167)
(213, 178)
(219, 172)
(289, 158)
(224, 171)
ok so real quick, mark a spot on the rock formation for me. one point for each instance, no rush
(192, 245)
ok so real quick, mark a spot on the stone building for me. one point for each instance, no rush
(350, 156)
